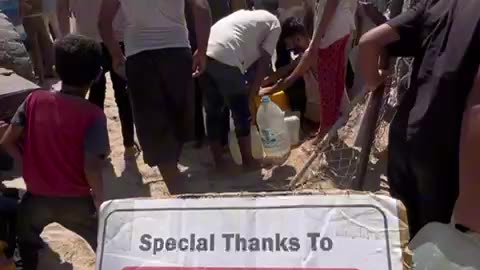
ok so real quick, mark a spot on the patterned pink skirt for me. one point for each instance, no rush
(331, 81)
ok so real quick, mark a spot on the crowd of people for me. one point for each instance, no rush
(170, 59)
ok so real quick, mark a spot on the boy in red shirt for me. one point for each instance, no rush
(63, 140)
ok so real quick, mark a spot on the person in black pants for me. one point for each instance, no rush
(8, 212)
(219, 10)
(97, 97)
(86, 24)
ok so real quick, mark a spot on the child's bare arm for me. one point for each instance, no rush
(97, 148)
(12, 138)
(93, 173)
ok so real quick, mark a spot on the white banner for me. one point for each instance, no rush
(357, 232)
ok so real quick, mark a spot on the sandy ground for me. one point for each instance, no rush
(131, 179)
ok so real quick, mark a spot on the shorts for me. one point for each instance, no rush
(161, 90)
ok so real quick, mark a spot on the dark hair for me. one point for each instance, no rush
(292, 27)
(268, 5)
(78, 60)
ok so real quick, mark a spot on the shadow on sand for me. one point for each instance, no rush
(129, 184)
(203, 178)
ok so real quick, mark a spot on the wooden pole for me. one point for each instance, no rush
(367, 137)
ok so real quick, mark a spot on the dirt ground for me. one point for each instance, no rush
(131, 179)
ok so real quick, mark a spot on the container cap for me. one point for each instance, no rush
(266, 99)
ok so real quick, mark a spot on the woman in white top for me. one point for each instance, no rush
(334, 23)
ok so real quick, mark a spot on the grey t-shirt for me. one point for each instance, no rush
(153, 25)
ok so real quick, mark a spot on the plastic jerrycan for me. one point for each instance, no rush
(273, 130)
(257, 149)
(442, 247)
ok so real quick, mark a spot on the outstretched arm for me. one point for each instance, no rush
(263, 66)
(280, 74)
(373, 45)
(309, 57)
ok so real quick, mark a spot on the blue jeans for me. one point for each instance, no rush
(224, 87)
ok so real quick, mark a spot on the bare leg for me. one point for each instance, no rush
(35, 50)
(46, 46)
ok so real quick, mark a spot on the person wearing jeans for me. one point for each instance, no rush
(219, 9)
(236, 43)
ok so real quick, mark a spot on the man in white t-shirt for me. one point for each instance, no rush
(159, 71)
(236, 43)
(86, 13)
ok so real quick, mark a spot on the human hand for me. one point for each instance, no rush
(265, 91)
(199, 63)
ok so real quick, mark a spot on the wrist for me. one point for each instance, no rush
(201, 51)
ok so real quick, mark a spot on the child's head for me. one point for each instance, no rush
(294, 35)
(78, 60)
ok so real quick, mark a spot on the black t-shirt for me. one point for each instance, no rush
(444, 38)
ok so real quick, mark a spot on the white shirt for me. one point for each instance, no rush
(342, 23)
(86, 14)
(237, 39)
(154, 24)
